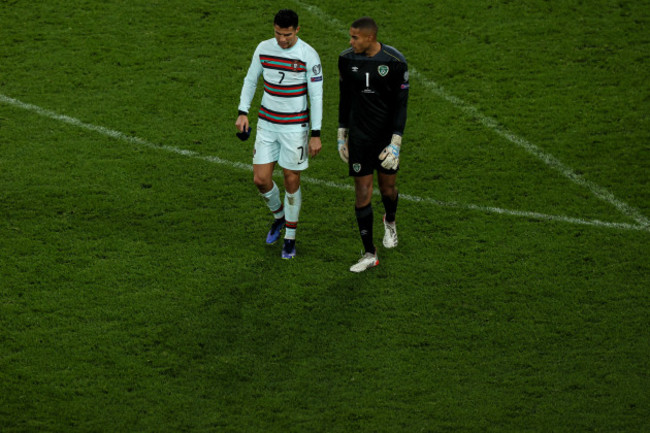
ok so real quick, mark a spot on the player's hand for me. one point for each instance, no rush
(314, 146)
(242, 123)
(342, 144)
(390, 155)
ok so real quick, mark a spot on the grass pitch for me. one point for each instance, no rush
(136, 290)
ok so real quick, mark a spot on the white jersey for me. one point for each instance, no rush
(289, 75)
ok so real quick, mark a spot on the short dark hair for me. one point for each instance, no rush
(286, 18)
(365, 23)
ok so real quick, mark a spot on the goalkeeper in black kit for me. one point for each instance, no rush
(374, 88)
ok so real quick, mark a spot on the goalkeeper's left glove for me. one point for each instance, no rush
(390, 155)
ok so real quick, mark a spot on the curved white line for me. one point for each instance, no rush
(247, 167)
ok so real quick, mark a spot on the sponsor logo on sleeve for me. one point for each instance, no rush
(405, 85)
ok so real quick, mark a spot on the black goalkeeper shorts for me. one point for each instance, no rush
(364, 156)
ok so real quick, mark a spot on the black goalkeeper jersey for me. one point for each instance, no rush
(373, 94)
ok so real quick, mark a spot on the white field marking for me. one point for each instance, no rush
(500, 130)
(347, 187)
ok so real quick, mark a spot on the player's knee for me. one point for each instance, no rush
(363, 196)
(291, 181)
(387, 186)
(262, 183)
(388, 190)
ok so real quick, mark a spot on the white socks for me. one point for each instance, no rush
(292, 203)
(272, 199)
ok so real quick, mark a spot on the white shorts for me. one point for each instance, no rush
(289, 149)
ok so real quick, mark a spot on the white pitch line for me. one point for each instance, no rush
(501, 131)
(346, 187)
(534, 150)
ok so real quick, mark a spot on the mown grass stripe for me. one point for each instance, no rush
(239, 165)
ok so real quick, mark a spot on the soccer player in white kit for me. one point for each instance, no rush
(291, 70)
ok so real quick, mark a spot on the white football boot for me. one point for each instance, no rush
(390, 234)
(369, 260)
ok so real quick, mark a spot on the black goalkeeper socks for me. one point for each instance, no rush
(364, 220)
(390, 206)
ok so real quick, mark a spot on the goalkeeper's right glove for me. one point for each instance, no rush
(342, 143)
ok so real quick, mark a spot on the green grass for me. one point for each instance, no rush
(137, 293)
